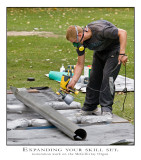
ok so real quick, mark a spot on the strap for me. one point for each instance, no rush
(82, 36)
(123, 54)
(76, 33)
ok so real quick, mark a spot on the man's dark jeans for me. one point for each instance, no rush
(100, 88)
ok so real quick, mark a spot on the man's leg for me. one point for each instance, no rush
(94, 84)
(107, 91)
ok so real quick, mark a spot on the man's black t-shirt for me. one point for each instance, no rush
(104, 37)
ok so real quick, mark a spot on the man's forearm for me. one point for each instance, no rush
(77, 72)
(123, 39)
(122, 58)
(78, 68)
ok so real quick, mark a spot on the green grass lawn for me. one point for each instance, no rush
(35, 56)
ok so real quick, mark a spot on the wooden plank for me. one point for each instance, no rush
(96, 135)
(71, 114)
(29, 91)
(52, 101)
(46, 96)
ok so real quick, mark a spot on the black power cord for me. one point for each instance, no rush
(124, 90)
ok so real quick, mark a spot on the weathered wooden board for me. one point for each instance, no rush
(11, 116)
(53, 101)
(96, 135)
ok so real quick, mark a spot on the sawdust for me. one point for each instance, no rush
(33, 33)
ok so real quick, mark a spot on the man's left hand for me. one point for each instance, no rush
(122, 59)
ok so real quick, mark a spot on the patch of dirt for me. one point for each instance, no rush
(32, 33)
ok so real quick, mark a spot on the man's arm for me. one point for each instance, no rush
(78, 71)
(123, 39)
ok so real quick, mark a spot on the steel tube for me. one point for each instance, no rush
(53, 116)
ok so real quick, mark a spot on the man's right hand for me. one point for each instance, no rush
(71, 84)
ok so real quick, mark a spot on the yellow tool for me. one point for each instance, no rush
(63, 87)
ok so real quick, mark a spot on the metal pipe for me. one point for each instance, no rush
(53, 116)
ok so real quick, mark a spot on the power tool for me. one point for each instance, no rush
(63, 88)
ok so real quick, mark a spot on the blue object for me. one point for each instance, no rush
(41, 127)
(54, 75)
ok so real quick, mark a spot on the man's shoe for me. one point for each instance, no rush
(85, 113)
(107, 115)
